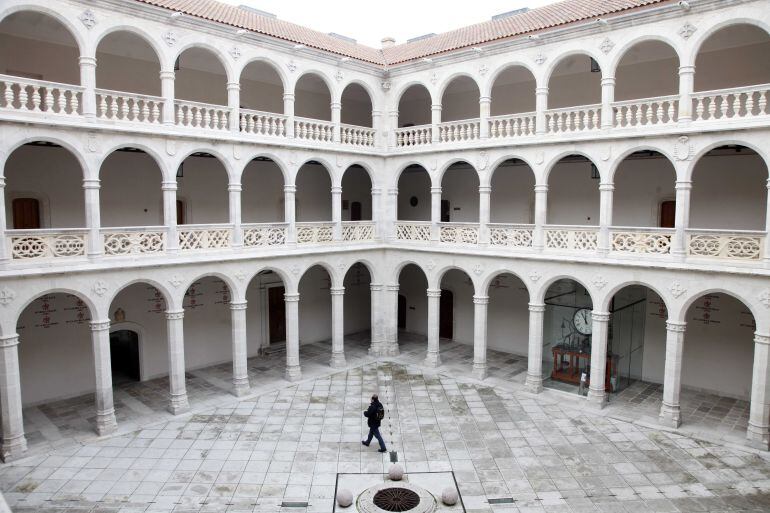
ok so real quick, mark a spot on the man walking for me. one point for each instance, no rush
(374, 416)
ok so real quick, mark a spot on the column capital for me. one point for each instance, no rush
(167, 75)
(485, 99)
(433, 292)
(233, 86)
(290, 189)
(393, 191)
(376, 191)
(9, 340)
(291, 298)
(393, 113)
(600, 316)
(337, 291)
(686, 70)
(542, 91)
(685, 185)
(536, 307)
(238, 305)
(607, 187)
(435, 106)
(485, 189)
(541, 187)
(336, 189)
(288, 97)
(175, 315)
(608, 81)
(676, 327)
(87, 60)
(376, 113)
(91, 183)
(762, 339)
(391, 287)
(435, 190)
(336, 105)
(234, 187)
(375, 287)
(100, 325)
(168, 186)
(480, 300)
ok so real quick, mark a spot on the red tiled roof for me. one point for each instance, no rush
(549, 16)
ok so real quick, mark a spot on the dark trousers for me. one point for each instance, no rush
(375, 432)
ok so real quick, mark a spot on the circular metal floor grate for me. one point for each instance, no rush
(396, 499)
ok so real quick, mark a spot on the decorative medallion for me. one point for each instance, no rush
(295, 269)
(91, 145)
(483, 160)
(293, 157)
(539, 157)
(540, 59)
(170, 38)
(599, 281)
(687, 30)
(341, 266)
(433, 78)
(607, 45)
(433, 164)
(171, 147)
(7, 296)
(339, 76)
(483, 69)
(430, 265)
(677, 289)
(292, 66)
(99, 288)
(683, 149)
(235, 52)
(386, 85)
(764, 298)
(535, 276)
(237, 151)
(88, 18)
(240, 275)
(175, 280)
(478, 269)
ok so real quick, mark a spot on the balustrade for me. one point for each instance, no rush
(458, 131)
(255, 235)
(736, 245)
(511, 235)
(357, 135)
(642, 240)
(647, 112)
(262, 123)
(413, 136)
(314, 233)
(313, 130)
(512, 125)
(576, 119)
(413, 230)
(459, 233)
(202, 115)
(192, 237)
(742, 102)
(120, 106)
(571, 238)
(134, 240)
(357, 231)
(27, 95)
(44, 244)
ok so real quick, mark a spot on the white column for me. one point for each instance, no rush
(93, 217)
(392, 127)
(169, 215)
(338, 327)
(433, 357)
(686, 86)
(4, 254)
(240, 348)
(336, 120)
(485, 191)
(435, 212)
(541, 208)
(608, 98)
(379, 130)
(758, 433)
(390, 312)
(766, 256)
(682, 222)
(234, 104)
(337, 212)
(485, 105)
(541, 105)
(88, 82)
(288, 111)
(606, 191)
(670, 412)
(435, 121)
(534, 381)
(167, 91)
(289, 212)
(177, 388)
(234, 192)
(391, 214)
(14, 442)
(377, 329)
(596, 393)
(377, 218)
(293, 371)
(480, 336)
(105, 408)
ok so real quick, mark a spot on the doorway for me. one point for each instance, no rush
(667, 214)
(26, 214)
(276, 312)
(445, 211)
(355, 211)
(124, 356)
(446, 315)
(401, 312)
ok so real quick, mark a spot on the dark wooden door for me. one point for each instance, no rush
(401, 312)
(179, 212)
(446, 314)
(124, 356)
(26, 214)
(276, 312)
(444, 211)
(667, 214)
(355, 211)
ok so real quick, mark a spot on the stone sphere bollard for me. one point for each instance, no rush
(344, 498)
(395, 472)
(449, 496)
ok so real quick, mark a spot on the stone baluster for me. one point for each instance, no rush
(288, 111)
(433, 357)
(541, 206)
(541, 106)
(14, 442)
(293, 370)
(88, 81)
(758, 432)
(597, 395)
(534, 381)
(338, 327)
(168, 93)
(240, 348)
(177, 388)
(480, 304)
(337, 212)
(105, 408)
(670, 412)
(682, 219)
(93, 217)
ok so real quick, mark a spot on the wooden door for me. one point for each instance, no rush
(26, 214)
(446, 314)
(179, 212)
(667, 214)
(355, 211)
(444, 211)
(276, 312)
(401, 312)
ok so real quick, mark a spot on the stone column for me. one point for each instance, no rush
(337, 212)
(606, 191)
(289, 193)
(766, 249)
(433, 357)
(88, 81)
(234, 190)
(435, 121)
(608, 98)
(435, 213)
(541, 105)
(177, 388)
(240, 348)
(758, 433)
(390, 310)
(288, 111)
(379, 130)
(597, 395)
(105, 408)
(377, 205)
(336, 121)
(377, 338)
(480, 336)
(14, 442)
(293, 371)
(686, 86)
(670, 412)
(392, 127)
(4, 254)
(391, 214)
(169, 215)
(485, 191)
(167, 91)
(234, 104)
(534, 381)
(679, 246)
(93, 217)
(541, 208)
(485, 105)
(338, 327)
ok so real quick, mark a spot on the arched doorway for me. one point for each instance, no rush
(124, 354)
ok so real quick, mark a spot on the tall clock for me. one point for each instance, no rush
(582, 321)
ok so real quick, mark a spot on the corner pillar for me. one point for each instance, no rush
(433, 357)
(670, 411)
(240, 348)
(597, 395)
(178, 402)
(534, 383)
(105, 407)
(758, 432)
(480, 336)
(293, 370)
(14, 443)
(338, 327)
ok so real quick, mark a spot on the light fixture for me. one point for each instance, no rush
(477, 49)
(299, 47)
(533, 37)
(344, 59)
(176, 15)
(684, 5)
(602, 21)
(241, 32)
(425, 59)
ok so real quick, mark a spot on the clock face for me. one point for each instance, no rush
(582, 321)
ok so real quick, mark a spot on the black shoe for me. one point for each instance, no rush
(382, 450)
(365, 443)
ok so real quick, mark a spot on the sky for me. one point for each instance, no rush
(369, 21)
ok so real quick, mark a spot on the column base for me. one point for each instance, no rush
(391, 349)
(241, 387)
(377, 349)
(338, 361)
(480, 371)
(534, 384)
(758, 437)
(178, 404)
(293, 373)
(106, 423)
(670, 415)
(13, 448)
(432, 359)
(597, 398)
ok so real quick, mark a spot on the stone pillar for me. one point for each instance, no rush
(606, 191)
(338, 327)
(485, 105)
(480, 336)
(390, 310)
(433, 357)
(14, 442)
(377, 208)
(105, 408)
(234, 104)
(766, 249)
(234, 191)
(88, 82)
(679, 246)
(240, 348)
(541, 208)
(4, 254)
(686, 86)
(392, 127)
(177, 388)
(597, 395)
(293, 370)
(377, 337)
(758, 433)
(485, 191)
(288, 111)
(435, 121)
(391, 210)
(534, 381)
(167, 91)
(94, 246)
(608, 98)
(435, 213)
(670, 412)
(379, 130)
(169, 215)
(336, 121)
(289, 193)
(337, 212)
(541, 105)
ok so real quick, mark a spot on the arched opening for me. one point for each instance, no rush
(356, 106)
(576, 80)
(202, 188)
(358, 313)
(573, 192)
(456, 312)
(460, 194)
(315, 313)
(312, 98)
(647, 69)
(644, 192)
(130, 193)
(266, 326)
(200, 77)
(413, 287)
(513, 91)
(261, 88)
(124, 355)
(314, 193)
(508, 327)
(126, 62)
(460, 99)
(720, 63)
(414, 194)
(512, 199)
(414, 107)
(262, 197)
(356, 194)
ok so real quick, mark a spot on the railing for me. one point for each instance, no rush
(313, 130)
(204, 236)
(413, 136)
(29, 95)
(357, 231)
(458, 131)
(120, 106)
(201, 115)
(357, 135)
(512, 125)
(255, 235)
(413, 230)
(40, 244)
(314, 233)
(733, 244)
(459, 233)
(576, 119)
(647, 112)
(742, 102)
(511, 235)
(134, 240)
(641, 240)
(262, 123)
(571, 238)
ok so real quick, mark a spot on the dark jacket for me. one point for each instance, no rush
(371, 414)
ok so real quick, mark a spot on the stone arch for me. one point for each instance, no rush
(291, 285)
(419, 116)
(621, 52)
(42, 8)
(714, 145)
(81, 159)
(439, 176)
(149, 150)
(698, 41)
(489, 277)
(246, 159)
(538, 295)
(168, 296)
(219, 54)
(680, 314)
(363, 118)
(93, 306)
(267, 60)
(466, 110)
(321, 111)
(336, 281)
(135, 30)
(548, 168)
(235, 291)
(434, 281)
(370, 267)
(495, 74)
(590, 94)
(396, 272)
(610, 293)
(627, 152)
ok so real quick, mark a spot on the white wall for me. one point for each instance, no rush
(508, 315)
(458, 282)
(315, 306)
(357, 299)
(130, 192)
(314, 193)
(262, 198)
(413, 285)
(414, 183)
(640, 187)
(460, 186)
(513, 195)
(573, 196)
(203, 189)
(356, 186)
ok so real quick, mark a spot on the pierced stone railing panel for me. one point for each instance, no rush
(733, 245)
(512, 125)
(413, 230)
(353, 135)
(459, 131)
(313, 130)
(262, 123)
(413, 136)
(646, 112)
(743, 102)
(576, 119)
(314, 233)
(256, 235)
(129, 241)
(571, 238)
(204, 237)
(27, 95)
(635, 240)
(357, 231)
(121, 106)
(43, 244)
(459, 233)
(511, 235)
(201, 115)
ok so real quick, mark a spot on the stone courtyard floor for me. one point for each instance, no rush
(288, 442)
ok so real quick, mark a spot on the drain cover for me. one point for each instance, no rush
(396, 499)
